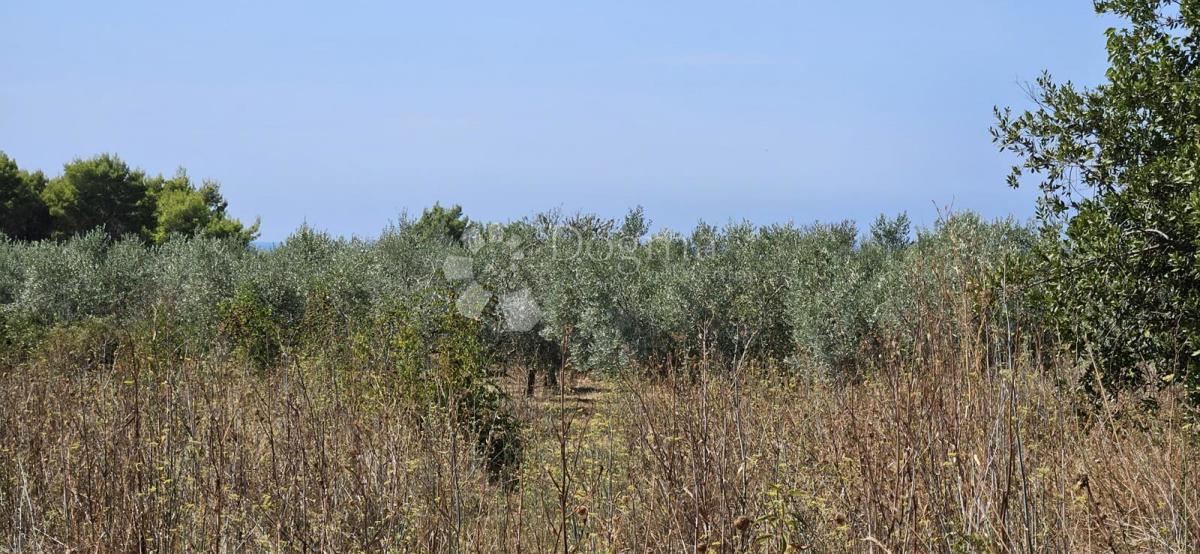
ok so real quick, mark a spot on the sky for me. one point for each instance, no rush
(343, 115)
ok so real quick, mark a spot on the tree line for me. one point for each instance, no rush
(105, 192)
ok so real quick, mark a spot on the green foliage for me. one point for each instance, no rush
(23, 214)
(440, 358)
(183, 209)
(833, 300)
(248, 324)
(442, 223)
(1120, 205)
(958, 291)
(105, 192)
(580, 274)
(90, 344)
(60, 283)
(191, 278)
(100, 192)
(20, 334)
(607, 298)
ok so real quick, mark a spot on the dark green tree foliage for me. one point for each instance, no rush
(183, 209)
(104, 192)
(100, 192)
(439, 222)
(23, 214)
(1117, 167)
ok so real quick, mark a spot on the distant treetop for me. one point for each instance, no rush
(104, 192)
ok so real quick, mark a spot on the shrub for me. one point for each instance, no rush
(247, 322)
(91, 344)
(442, 363)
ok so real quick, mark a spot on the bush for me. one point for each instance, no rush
(19, 334)
(442, 363)
(248, 324)
(91, 344)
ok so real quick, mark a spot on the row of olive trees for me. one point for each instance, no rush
(104, 192)
(823, 298)
(588, 292)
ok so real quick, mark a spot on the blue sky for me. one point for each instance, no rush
(343, 114)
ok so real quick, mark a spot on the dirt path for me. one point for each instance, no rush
(583, 394)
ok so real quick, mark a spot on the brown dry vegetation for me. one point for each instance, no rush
(945, 457)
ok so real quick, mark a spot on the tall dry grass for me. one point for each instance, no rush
(190, 456)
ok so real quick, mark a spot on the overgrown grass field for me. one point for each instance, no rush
(572, 384)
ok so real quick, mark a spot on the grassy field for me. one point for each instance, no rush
(944, 457)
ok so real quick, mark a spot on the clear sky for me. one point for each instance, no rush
(342, 114)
